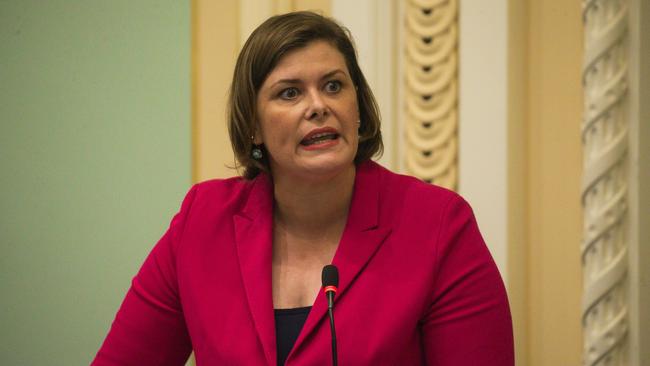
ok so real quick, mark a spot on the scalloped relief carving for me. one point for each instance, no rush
(430, 90)
(605, 127)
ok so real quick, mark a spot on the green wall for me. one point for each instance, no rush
(94, 159)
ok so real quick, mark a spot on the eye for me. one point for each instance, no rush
(333, 86)
(289, 93)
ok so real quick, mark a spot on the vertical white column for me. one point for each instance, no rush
(483, 124)
(372, 24)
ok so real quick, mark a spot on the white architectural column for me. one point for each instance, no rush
(605, 183)
(373, 27)
(483, 119)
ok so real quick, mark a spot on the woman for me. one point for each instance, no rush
(236, 278)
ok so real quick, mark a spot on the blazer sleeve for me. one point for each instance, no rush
(149, 328)
(468, 320)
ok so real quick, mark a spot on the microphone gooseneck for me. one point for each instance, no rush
(330, 286)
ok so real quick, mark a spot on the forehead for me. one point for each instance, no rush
(315, 58)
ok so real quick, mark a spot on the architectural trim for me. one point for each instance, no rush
(605, 183)
(639, 179)
(430, 93)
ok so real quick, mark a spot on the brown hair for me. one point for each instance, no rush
(261, 53)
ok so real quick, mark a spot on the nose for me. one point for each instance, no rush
(317, 107)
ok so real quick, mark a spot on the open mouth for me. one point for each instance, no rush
(319, 138)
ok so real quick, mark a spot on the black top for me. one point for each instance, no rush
(288, 323)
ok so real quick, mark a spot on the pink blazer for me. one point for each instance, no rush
(417, 283)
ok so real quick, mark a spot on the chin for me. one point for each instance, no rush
(324, 168)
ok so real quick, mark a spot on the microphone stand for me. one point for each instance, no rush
(330, 286)
(330, 312)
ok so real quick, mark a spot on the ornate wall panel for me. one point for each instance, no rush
(430, 90)
(605, 188)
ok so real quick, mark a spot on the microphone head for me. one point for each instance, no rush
(330, 276)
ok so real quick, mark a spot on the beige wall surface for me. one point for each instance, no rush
(215, 43)
(554, 160)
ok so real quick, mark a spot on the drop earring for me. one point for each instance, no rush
(256, 152)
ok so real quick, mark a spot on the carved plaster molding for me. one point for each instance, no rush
(605, 186)
(430, 90)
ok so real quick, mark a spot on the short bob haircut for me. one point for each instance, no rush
(273, 39)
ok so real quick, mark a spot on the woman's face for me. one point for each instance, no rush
(308, 114)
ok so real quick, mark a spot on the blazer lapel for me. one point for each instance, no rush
(361, 239)
(253, 235)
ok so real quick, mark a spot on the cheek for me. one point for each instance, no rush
(277, 134)
(352, 115)
(353, 107)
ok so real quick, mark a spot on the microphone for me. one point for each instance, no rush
(330, 280)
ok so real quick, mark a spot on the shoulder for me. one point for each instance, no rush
(222, 188)
(220, 195)
(406, 198)
(410, 190)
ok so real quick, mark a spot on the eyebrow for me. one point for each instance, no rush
(297, 81)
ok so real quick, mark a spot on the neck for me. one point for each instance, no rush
(313, 207)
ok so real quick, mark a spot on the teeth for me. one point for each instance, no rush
(318, 138)
(319, 135)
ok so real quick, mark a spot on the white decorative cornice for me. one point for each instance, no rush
(430, 91)
(605, 186)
